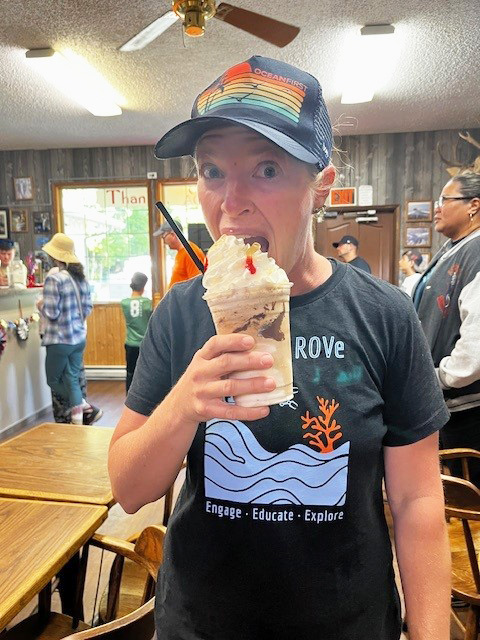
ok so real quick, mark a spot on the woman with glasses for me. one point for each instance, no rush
(448, 302)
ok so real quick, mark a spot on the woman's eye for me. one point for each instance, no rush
(211, 172)
(267, 170)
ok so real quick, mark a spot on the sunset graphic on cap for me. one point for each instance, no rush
(254, 87)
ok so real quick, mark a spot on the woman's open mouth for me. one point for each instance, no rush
(263, 242)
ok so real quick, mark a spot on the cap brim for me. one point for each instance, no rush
(182, 139)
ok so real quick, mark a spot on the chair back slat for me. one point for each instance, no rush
(472, 554)
(138, 625)
(149, 546)
(462, 498)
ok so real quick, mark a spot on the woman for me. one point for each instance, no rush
(65, 305)
(257, 568)
(448, 302)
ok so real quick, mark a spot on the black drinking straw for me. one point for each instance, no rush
(161, 207)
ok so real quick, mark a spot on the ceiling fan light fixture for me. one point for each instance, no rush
(193, 14)
(77, 79)
(194, 24)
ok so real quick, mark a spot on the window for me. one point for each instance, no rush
(110, 228)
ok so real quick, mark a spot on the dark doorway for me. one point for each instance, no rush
(377, 235)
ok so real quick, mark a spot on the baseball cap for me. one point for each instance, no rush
(414, 255)
(6, 244)
(166, 228)
(346, 240)
(279, 101)
(139, 280)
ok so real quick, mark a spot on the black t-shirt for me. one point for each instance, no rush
(360, 263)
(279, 529)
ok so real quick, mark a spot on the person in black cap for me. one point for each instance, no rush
(137, 311)
(347, 252)
(409, 264)
(279, 530)
(183, 268)
(7, 253)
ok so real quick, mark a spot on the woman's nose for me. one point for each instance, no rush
(236, 199)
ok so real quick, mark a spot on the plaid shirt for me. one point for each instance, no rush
(62, 319)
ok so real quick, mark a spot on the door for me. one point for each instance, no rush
(377, 237)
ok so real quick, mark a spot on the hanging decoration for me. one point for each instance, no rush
(3, 339)
(21, 327)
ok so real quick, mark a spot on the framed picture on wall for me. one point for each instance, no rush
(18, 220)
(418, 236)
(40, 241)
(41, 222)
(419, 211)
(3, 224)
(23, 188)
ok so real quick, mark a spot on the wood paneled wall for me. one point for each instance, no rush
(105, 336)
(399, 166)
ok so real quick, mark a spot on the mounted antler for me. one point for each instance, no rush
(453, 167)
(456, 166)
(466, 136)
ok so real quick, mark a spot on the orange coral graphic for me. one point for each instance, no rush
(324, 426)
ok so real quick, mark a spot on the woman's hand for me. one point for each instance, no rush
(200, 392)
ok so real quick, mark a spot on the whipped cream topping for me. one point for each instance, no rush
(233, 264)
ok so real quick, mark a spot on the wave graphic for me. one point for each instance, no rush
(239, 469)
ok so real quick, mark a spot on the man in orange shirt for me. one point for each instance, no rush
(184, 267)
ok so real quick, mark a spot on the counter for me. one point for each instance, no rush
(24, 392)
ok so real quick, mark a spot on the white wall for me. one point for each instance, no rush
(23, 386)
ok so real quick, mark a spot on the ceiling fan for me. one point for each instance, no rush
(194, 13)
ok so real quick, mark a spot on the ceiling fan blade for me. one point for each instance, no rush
(152, 31)
(273, 31)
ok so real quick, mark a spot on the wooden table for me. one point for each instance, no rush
(37, 538)
(62, 462)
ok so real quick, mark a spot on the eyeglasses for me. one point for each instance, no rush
(441, 200)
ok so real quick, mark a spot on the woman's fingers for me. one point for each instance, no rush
(227, 363)
(208, 378)
(238, 387)
(217, 345)
(218, 409)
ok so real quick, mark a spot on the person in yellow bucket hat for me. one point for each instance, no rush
(64, 307)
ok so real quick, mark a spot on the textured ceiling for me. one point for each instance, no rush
(435, 85)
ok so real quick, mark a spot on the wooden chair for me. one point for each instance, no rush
(463, 456)
(147, 552)
(138, 625)
(462, 501)
(136, 584)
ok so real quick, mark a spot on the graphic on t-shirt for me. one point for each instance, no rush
(443, 301)
(326, 427)
(239, 469)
